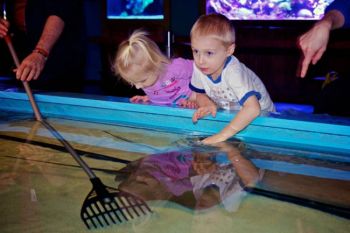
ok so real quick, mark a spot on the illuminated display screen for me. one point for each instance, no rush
(135, 9)
(268, 9)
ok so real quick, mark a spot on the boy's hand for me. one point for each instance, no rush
(202, 112)
(215, 139)
(224, 134)
(139, 99)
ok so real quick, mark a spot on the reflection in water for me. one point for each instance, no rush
(184, 188)
(195, 178)
(27, 153)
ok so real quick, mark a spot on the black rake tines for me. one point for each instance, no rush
(111, 206)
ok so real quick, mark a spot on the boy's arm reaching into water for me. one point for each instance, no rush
(249, 111)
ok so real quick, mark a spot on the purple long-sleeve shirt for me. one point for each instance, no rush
(173, 85)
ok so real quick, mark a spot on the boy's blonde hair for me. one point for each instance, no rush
(216, 26)
(141, 52)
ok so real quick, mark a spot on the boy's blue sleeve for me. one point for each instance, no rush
(344, 7)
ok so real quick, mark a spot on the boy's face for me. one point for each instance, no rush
(210, 55)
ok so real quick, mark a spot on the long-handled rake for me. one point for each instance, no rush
(103, 205)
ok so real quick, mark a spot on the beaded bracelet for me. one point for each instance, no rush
(42, 52)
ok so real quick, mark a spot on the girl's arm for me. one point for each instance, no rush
(249, 111)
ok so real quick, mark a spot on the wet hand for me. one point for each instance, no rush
(224, 134)
(214, 139)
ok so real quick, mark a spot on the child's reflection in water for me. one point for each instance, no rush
(199, 179)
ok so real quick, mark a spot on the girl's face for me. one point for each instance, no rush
(141, 73)
(210, 55)
(144, 80)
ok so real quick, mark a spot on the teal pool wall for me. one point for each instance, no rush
(268, 130)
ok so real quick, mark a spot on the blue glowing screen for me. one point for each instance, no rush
(268, 9)
(135, 9)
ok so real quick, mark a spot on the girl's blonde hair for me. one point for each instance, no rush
(216, 26)
(138, 50)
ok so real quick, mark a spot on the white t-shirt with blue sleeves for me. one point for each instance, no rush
(233, 87)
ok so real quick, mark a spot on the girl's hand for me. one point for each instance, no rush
(202, 112)
(139, 99)
(188, 104)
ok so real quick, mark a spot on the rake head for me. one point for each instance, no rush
(105, 206)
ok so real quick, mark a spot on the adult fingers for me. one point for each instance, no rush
(3, 28)
(305, 64)
(25, 73)
(318, 55)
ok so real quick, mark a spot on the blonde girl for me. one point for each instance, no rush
(140, 62)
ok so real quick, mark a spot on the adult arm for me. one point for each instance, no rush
(4, 25)
(34, 63)
(342, 6)
(314, 42)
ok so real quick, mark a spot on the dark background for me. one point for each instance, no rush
(267, 47)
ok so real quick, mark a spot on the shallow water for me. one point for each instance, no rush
(42, 188)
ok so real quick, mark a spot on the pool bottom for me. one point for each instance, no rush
(47, 198)
(42, 188)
